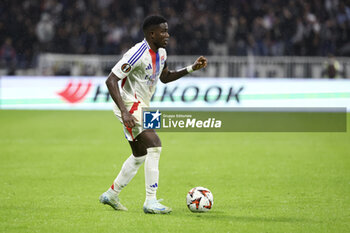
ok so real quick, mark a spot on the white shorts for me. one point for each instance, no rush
(136, 110)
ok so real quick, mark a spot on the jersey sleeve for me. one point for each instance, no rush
(127, 63)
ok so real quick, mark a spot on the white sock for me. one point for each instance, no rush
(152, 172)
(128, 171)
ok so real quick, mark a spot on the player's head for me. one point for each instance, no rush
(155, 28)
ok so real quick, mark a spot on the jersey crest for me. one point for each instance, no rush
(126, 68)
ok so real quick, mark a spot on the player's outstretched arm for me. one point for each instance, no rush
(113, 88)
(171, 75)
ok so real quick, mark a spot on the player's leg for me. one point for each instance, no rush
(127, 172)
(132, 164)
(153, 146)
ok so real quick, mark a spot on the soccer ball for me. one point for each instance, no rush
(199, 199)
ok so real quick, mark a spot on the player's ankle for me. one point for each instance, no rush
(151, 198)
(112, 192)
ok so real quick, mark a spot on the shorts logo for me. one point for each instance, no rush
(126, 67)
(151, 120)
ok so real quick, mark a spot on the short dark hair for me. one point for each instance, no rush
(151, 21)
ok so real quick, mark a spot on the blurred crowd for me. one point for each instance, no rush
(208, 27)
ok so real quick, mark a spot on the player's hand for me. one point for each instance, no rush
(200, 63)
(128, 119)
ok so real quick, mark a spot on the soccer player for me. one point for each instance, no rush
(139, 70)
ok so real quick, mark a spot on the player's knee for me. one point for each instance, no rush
(154, 150)
(137, 161)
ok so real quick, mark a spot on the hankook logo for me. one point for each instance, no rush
(75, 92)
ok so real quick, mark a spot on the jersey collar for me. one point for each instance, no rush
(148, 47)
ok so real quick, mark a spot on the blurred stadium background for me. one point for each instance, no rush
(246, 38)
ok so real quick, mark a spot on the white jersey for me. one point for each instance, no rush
(140, 69)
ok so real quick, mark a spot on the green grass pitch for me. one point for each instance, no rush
(55, 164)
